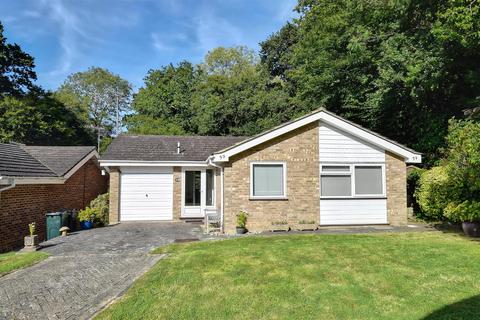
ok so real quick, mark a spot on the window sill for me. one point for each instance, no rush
(268, 198)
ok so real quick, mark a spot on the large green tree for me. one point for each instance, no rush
(402, 68)
(16, 68)
(40, 119)
(163, 105)
(98, 97)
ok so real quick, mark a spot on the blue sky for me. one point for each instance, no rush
(129, 37)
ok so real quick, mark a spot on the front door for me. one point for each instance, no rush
(198, 192)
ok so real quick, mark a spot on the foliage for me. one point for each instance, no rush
(12, 261)
(16, 69)
(432, 195)
(400, 68)
(145, 124)
(100, 205)
(32, 227)
(242, 219)
(413, 179)
(40, 119)
(97, 211)
(453, 189)
(98, 97)
(354, 276)
(87, 214)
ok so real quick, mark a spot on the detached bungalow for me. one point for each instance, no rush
(35, 180)
(318, 168)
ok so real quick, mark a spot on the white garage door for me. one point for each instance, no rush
(353, 211)
(146, 194)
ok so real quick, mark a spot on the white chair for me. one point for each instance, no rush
(212, 220)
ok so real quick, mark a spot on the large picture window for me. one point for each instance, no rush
(268, 180)
(352, 180)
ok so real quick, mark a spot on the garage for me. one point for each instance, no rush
(146, 194)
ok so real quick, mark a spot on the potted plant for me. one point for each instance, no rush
(241, 222)
(31, 241)
(279, 226)
(468, 213)
(86, 217)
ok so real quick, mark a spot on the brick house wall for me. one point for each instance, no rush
(396, 172)
(299, 149)
(28, 203)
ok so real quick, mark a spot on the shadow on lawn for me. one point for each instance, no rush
(460, 310)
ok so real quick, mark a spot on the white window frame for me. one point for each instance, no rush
(351, 173)
(284, 166)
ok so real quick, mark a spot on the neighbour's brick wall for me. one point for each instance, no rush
(299, 149)
(114, 194)
(24, 204)
(396, 190)
(177, 193)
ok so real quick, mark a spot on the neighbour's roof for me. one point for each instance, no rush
(164, 148)
(59, 159)
(17, 160)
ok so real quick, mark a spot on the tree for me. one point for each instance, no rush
(99, 97)
(144, 124)
(16, 68)
(40, 119)
(167, 94)
(400, 68)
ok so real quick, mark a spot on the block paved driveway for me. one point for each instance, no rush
(86, 270)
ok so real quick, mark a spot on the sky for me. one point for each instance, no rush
(130, 37)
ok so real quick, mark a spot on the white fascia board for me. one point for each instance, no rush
(128, 163)
(409, 156)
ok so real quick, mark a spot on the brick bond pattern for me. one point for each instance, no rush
(396, 190)
(24, 204)
(299, 149)
(114, 194)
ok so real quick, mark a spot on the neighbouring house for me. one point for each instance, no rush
(35, 180)
(318, 168)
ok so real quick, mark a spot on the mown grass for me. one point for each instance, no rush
(12, 261)
(375, 276)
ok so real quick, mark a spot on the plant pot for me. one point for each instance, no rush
(305, 227)
(471, 229)
(31, 241)
(86, 225)
(241, 230)
(279, 227)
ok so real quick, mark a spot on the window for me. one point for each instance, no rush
(268, 180)
(210, 185)
(368, 180)
(352, 180)
(336, 181)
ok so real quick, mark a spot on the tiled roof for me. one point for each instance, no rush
(164, 148)
(18, 160)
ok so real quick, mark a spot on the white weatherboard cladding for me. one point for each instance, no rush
(353, 211)
(341, 147)
(146, 194)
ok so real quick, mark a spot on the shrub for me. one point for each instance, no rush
(101, 208)
(412, 187)
(466, 211)
(86, 214)
(97, 211)
(432, 194)
(242, 219)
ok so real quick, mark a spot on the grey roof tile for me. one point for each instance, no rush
(16, 162)
(59, 159)
(164, 148)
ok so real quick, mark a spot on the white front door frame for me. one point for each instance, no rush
(197, 211)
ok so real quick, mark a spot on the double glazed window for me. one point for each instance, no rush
(268, 180)
(352, 180)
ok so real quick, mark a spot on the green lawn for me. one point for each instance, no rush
(12, 261)
(377, 276)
